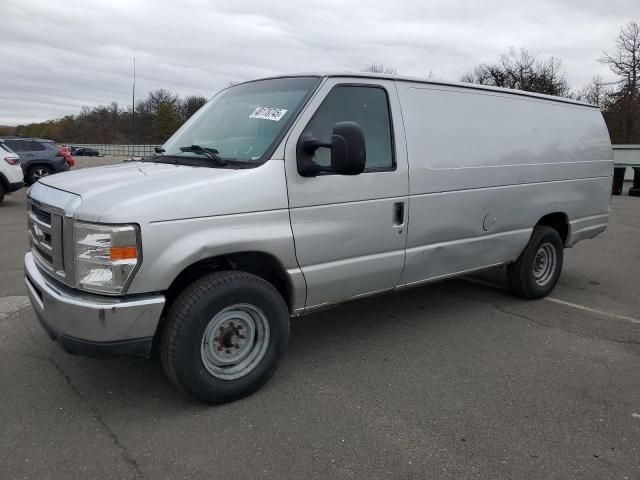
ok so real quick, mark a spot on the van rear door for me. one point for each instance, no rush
(350, 231)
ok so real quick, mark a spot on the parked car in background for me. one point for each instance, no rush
(84, 151)
(66, 153)
(11, 177)
(40, 157)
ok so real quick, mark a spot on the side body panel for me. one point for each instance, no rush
(346, 242)
(486, 166)
(231, 212)
(50, 157)
(10, 174)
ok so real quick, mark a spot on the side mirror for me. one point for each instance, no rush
(348, 151)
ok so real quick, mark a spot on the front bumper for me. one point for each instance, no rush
(90, 324)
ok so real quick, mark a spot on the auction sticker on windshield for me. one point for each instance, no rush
(268, 113)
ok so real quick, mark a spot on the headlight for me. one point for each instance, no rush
(106, 256)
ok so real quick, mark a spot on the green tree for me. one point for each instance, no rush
(166, 120)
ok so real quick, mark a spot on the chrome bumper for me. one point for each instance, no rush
(88, 324)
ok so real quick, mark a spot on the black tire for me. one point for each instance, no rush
(36, 172)
(187, 322)
(528, 276)
(2, 192)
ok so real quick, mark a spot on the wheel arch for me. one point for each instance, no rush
(559, 221)
(261, 264)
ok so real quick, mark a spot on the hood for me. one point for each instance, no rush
(141, 192)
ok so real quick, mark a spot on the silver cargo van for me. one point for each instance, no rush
(285, 195)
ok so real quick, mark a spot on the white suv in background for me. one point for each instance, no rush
(11, 176)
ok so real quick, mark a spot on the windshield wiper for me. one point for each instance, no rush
(210, 153)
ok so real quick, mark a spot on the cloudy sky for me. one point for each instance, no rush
(58, 56)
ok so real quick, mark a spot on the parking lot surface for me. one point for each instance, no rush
(457, 379)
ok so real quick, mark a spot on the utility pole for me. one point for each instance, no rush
(133, 105)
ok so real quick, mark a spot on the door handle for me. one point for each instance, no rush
(398, 214)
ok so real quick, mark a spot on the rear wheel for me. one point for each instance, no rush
(2, 192)
(536, 272)
(38, 172)
(225, 336)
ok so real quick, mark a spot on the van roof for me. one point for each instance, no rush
(404, 78)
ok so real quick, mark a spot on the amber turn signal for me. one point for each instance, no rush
(123, 253)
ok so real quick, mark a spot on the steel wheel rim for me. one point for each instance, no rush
(544, 264)
(235, 341)
(38, 173)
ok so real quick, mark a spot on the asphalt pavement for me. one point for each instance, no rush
(458, 379)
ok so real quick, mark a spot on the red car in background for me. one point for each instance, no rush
(64, 151)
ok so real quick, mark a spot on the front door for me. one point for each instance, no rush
(350, 231)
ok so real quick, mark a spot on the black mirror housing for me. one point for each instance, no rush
(348, 151)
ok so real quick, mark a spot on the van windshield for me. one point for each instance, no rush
(242, 123)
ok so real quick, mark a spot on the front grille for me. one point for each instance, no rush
(41, 214)
(44, 254)
(45, 236)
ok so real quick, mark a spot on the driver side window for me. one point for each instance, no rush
(369, 108)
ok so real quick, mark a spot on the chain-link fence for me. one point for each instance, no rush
(119, 150)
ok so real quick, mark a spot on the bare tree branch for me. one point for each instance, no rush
(625, 60)
(520, 69)
(380, 68)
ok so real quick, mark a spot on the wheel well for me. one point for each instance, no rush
(260, 264)
(31, 166)
(557, 221)
(38, 164)
(4, 182)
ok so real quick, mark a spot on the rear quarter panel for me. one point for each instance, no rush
(482, 158)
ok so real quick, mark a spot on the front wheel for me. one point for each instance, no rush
(538, 267)
(38, 172)
(225, 336)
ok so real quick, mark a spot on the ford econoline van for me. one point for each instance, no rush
(285, 195)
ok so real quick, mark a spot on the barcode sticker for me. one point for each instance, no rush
(268, 113)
